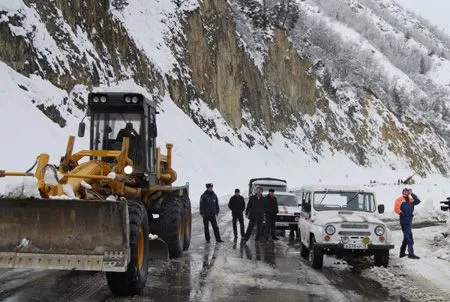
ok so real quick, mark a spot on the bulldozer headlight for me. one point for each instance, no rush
(134, 100)
(128, 170)
(96, 99)
(127, 99)
(103, 99)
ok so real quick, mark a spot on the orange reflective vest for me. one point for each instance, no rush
(398, 203)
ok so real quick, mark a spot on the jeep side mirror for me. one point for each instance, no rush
(81, 129)
(381, 208)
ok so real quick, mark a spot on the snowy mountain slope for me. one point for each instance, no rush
(236, 105)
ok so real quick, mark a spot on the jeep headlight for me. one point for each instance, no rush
(379, 230)
(330, 229)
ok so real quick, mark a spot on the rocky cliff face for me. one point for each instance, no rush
(79, 43)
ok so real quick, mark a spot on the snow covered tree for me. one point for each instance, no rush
(119, 4)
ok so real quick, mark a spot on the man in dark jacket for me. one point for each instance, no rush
(271, 211)
(237, 207)
(209, 208)
(255, 212)
(404, 206)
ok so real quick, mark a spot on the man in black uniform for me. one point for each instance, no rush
(209, 208)
(237, 207)
(271, 211)
(255, 212)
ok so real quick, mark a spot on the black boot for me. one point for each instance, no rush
(413, 257)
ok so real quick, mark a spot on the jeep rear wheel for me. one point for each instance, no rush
(315, 255)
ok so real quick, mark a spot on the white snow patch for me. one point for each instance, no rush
(68, 190)
(26, 187)
(111, 198)
(111, 175)
(85, 185)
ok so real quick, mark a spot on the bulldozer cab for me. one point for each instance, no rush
(114, 116)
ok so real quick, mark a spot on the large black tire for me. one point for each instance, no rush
(133, 280)
(172, 224)
(187, 223)
(381, 258)
(315, 255)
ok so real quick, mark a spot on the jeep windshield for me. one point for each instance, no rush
(286, 200)
(349, 201)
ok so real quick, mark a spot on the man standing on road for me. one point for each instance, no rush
(237, 207)
(404, 206)
(209, 208)
(255, 212)
(271, 211)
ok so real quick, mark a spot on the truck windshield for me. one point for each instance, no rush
(287, 200)
(350, 201)
(109, 129)
(266, 188)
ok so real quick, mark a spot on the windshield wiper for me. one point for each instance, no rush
(326, 192)
(357, 193)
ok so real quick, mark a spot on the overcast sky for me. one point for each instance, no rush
(436, 11)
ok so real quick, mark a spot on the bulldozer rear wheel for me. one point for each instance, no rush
(187, 223)
(172, 224)
(133, 280)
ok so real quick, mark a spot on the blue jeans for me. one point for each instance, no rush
(407, 238)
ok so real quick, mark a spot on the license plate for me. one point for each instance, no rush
(282, 223)
(355, 246)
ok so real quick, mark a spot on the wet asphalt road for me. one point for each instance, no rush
(210, 272)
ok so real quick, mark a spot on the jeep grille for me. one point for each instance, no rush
(354, 226)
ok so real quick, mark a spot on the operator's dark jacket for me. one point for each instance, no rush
(209, 204)
(271, 206)
(407, 210)
(255, 207)
(237, 205)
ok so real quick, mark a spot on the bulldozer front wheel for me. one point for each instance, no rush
(187, 223)
(133, 280)
(172, 224)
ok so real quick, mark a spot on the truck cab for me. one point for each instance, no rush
(266, 183)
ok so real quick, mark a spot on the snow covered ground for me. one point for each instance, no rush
(426, 279)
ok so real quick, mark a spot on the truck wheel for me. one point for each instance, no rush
(315, 255)
(172, 224)
(133, 280)
(304, 251)
(187, 223)
(381, 258)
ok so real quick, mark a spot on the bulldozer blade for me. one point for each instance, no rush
(158, 250)
(64, 234)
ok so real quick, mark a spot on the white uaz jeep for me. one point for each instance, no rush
(340, 221)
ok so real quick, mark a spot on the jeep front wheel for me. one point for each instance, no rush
(381, 258)
(315, 255)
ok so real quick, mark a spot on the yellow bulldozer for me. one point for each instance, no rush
(111, 208)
